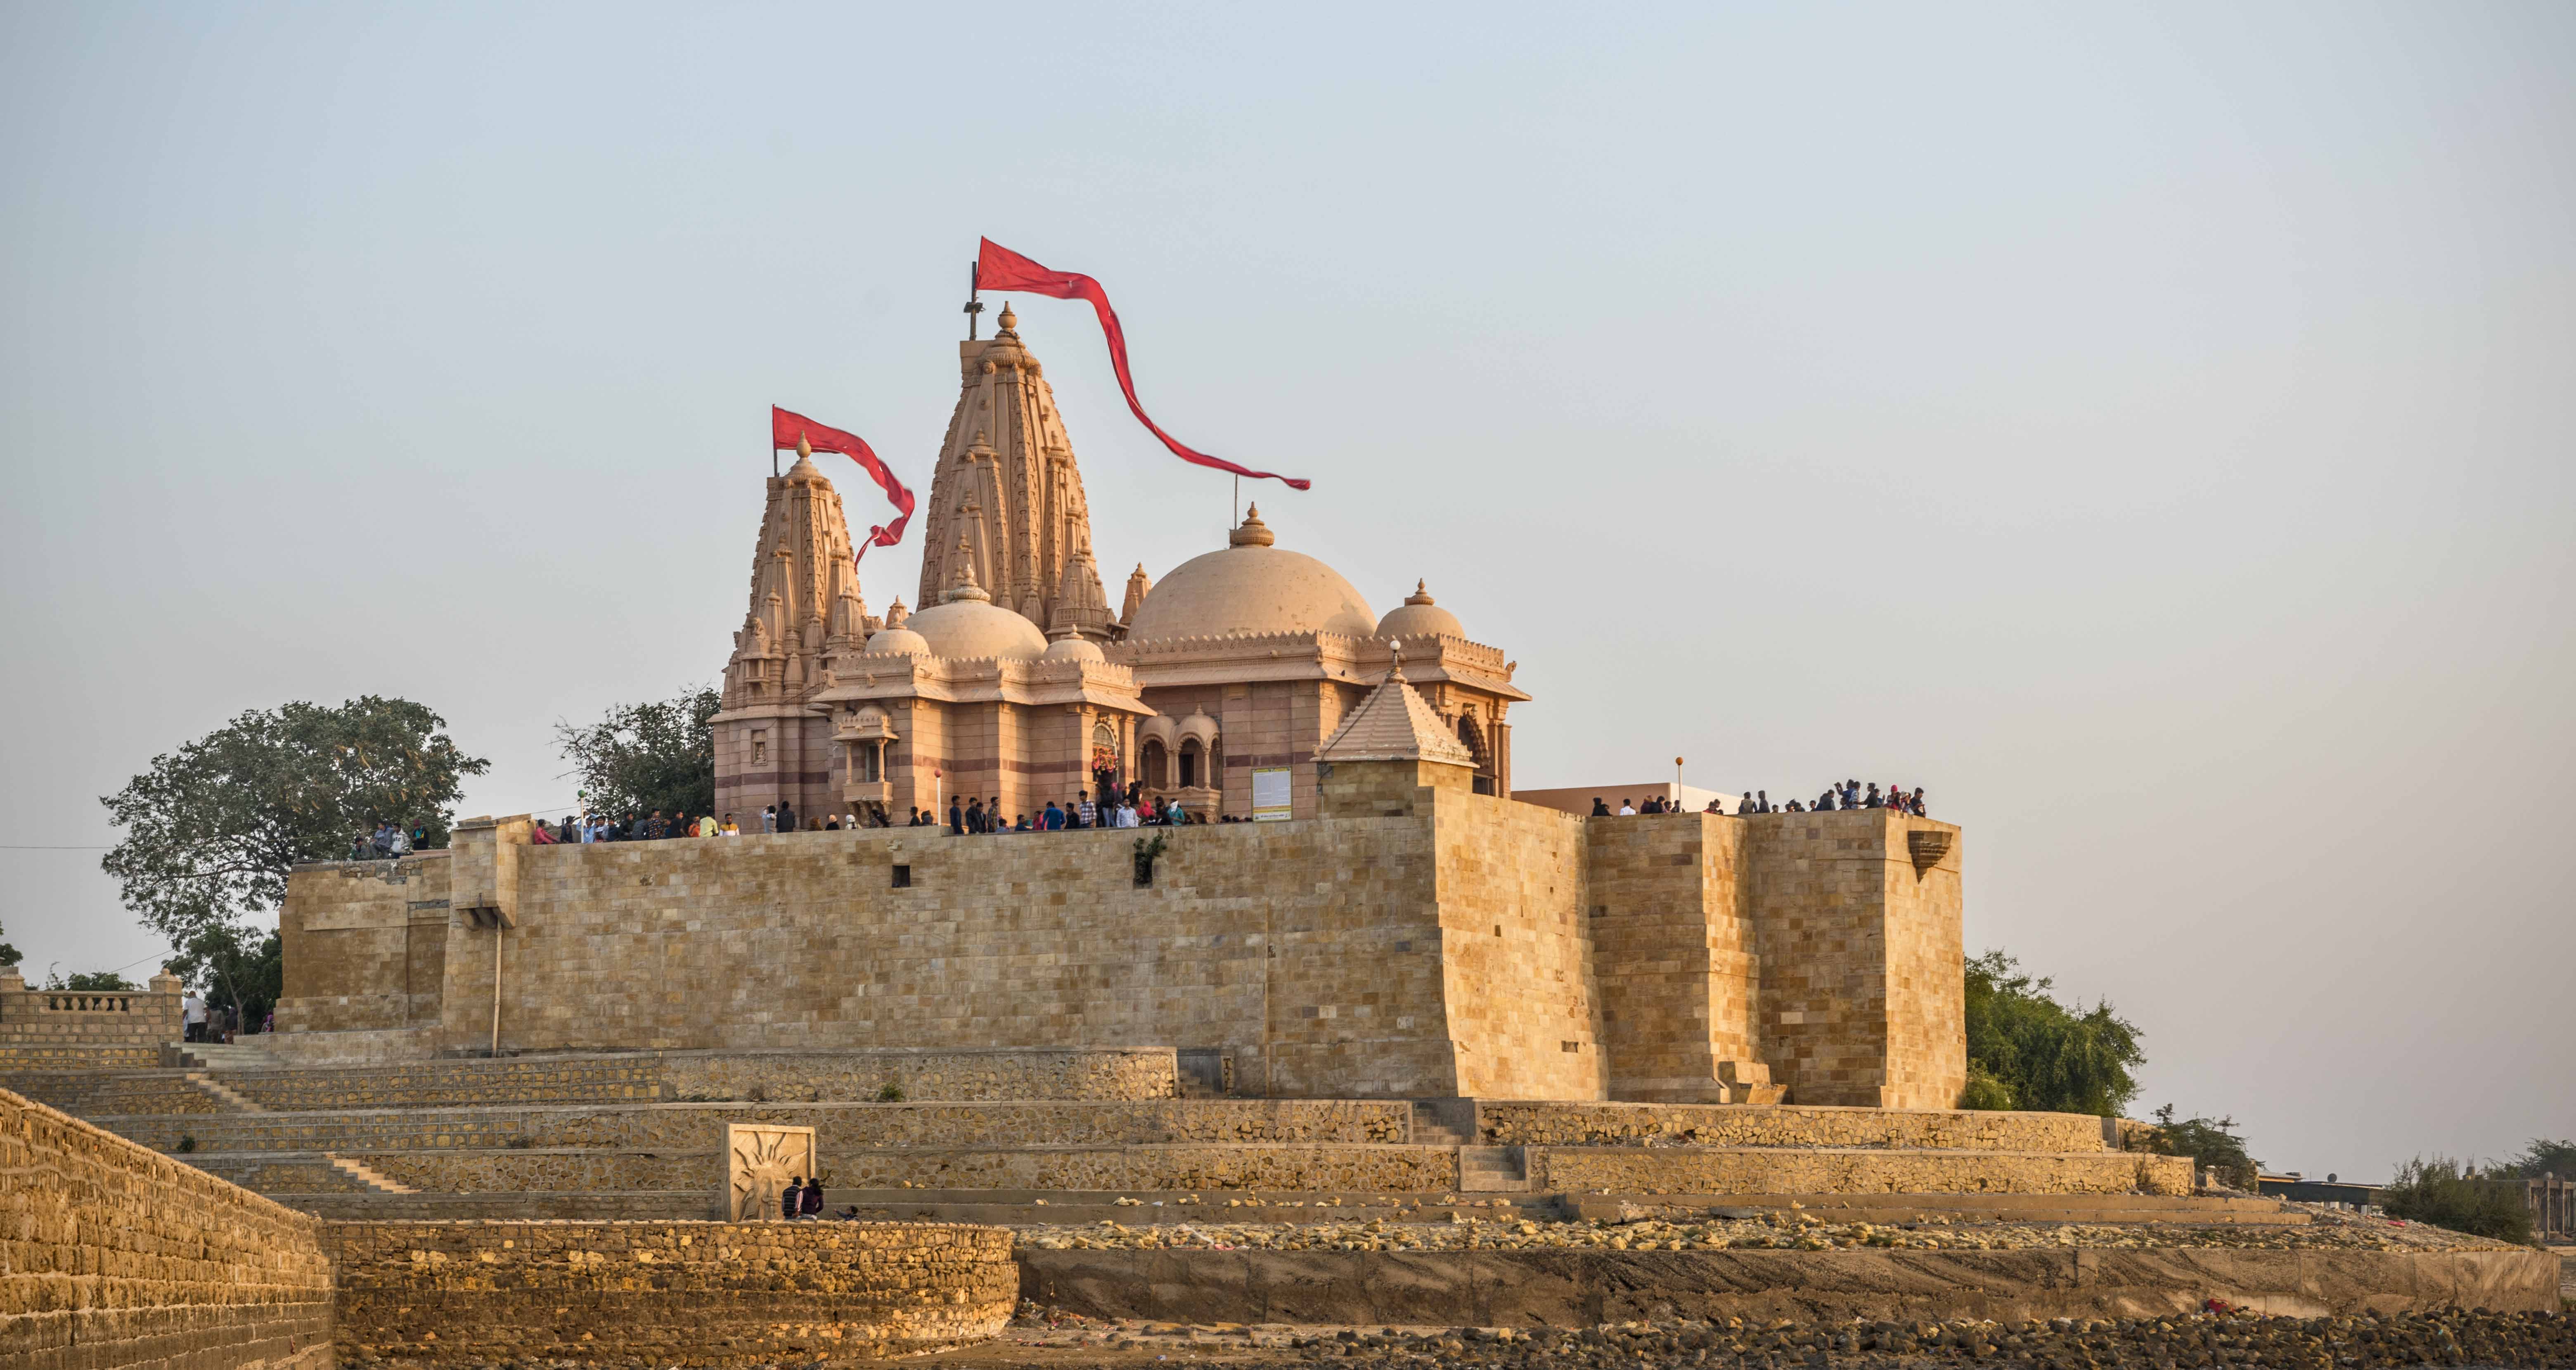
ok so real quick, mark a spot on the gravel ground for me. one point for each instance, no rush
(1794, 1230)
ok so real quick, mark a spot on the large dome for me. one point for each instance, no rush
(1250, 587)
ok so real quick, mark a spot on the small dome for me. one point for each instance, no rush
(1251, 587)
(973, 629)
(896, 642)
(1074, 649)
(1419, 617)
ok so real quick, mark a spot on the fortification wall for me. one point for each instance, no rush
(118, 1257)
(664, 1292)
(1515, 1123)
(53, 1029)
(1453, 944)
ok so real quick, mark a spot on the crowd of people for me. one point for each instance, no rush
(973, 816)
(1850, 794)
(386, 842)
(967, 816)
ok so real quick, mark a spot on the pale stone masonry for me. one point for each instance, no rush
(1417, 940)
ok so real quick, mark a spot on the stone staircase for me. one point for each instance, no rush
(367, 1175)
(223, 1095)
(1491, 1169)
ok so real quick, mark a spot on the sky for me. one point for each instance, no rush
(2146, 428)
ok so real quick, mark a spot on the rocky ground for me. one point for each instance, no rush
(1794, 1230)
(2215, 1338)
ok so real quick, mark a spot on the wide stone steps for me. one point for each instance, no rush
(223, 1056)
(838, 1126)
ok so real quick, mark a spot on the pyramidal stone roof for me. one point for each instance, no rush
(1394, 724)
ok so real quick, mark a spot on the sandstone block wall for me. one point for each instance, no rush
(1524, 1006)
(1679, 981)
(115, 1256)
(1862, 1002)
(94, 1095)
(925, 1073)
(664, 1292)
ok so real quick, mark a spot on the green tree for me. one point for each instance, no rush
(8, 955)
(2444, 1193)
(92, 982)
(643, 757)
(2544, 1158)
(212, 829)
(2211, 1143)
(241, 967)
(2028, 1051)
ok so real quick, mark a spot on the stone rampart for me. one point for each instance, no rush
(1547, 1123)
(1786, 1170)
(1584, 1288)
(1010, 1073)
(101, 1094)
(117, 1257)
(473, 1293)
(700, 1127)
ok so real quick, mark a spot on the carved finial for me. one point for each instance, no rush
(1009, 321)
(1419, 595)
(803, 448)
(1253, 533)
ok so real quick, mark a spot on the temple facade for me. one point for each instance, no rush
(1013, 682)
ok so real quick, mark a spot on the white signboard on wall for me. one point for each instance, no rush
(1269, 793)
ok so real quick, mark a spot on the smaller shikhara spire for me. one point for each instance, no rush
(1394, 724)
(1138, 586)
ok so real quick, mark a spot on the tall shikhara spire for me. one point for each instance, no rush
(805, 606)
(1006, 498)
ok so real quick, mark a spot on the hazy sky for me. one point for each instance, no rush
(2146, 428)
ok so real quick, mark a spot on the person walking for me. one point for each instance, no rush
(192, 1018)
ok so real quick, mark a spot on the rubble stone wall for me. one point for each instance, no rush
(664, 1292)
(115, 1256)
(1501, 1123)
(1789, 1170)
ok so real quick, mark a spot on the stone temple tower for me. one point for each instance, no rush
(806, 620)
(1006, 497)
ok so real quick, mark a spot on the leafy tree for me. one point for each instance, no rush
(2441, 1192)
(644, 757)
(2211, 1143)
(212, 829)
(8, 955)
(93, 982)
(241, 968)
(2544, 1158)
(2033, 1052)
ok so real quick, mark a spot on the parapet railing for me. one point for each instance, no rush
(88, 1003)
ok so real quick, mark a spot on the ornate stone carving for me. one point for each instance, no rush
(760, 1158)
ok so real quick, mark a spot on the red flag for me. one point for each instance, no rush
(999, 268)
(785, 427)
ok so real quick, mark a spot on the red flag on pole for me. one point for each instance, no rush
(786, 427)
(999, 268)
